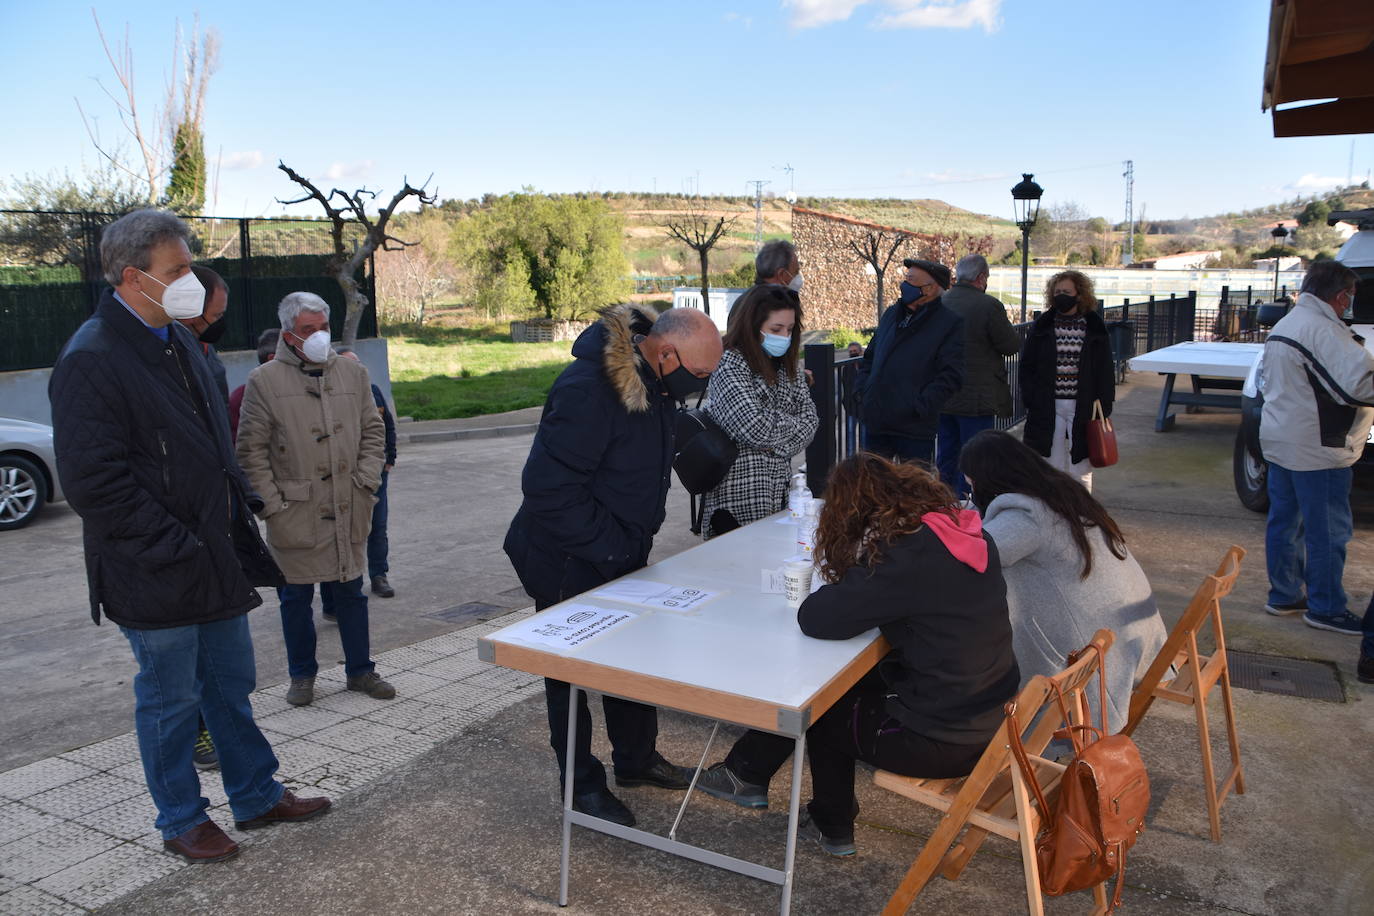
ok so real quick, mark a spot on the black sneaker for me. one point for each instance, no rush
(660, 774)
(1345, 622)
(382, 588)
(1287, 610)
(838, 846)
(371, 683)
(720, 781)
(604, 805)
(204, 756)
(1365, 670)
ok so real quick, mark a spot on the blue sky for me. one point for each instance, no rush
(950, 99)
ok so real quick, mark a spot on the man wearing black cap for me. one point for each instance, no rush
(916, 361)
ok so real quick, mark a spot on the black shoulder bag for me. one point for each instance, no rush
(705, 454)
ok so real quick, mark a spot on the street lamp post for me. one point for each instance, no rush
(1025, 197)
(1280, 236)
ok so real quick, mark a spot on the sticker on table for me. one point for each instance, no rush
(656, 594)
(568, 627)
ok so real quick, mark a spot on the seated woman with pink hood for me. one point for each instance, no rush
(896, 554)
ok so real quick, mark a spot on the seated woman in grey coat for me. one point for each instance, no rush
(1067, 568)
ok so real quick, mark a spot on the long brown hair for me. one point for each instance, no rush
(746, 325)
(869, 503)
(998, 463)
(1087, 293)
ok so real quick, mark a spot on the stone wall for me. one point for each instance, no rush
(841, 287)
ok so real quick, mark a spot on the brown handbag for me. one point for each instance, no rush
(1101, 439)
(1100, 811)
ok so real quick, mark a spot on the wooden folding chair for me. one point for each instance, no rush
(1195, 676)
(994, 798)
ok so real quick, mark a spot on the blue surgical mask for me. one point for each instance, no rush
(776, 344)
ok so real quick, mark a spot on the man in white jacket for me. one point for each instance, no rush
(1318, 384)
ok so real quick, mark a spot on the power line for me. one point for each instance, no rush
(758, 212)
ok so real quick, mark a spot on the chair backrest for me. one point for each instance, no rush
(1074, 682)
(1204, 608)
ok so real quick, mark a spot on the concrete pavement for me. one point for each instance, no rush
(469, 824)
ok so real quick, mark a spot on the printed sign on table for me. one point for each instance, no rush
(656, 594)
(568, 627)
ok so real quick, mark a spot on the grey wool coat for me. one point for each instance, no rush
(310, 442)
(770, 424)
(1054, 612)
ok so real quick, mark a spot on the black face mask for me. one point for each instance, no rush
(1064, 303)
(682, 384)
(910, 293)
(213, 331)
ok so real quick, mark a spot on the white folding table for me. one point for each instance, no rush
(737, 658)
(1216, 365)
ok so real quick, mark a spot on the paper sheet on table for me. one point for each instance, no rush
(568, 627)
(656, 594)
(772, 581)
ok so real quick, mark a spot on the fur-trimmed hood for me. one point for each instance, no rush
(610, 341)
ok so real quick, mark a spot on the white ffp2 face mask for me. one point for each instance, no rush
(315, 348)
(184, 297)
(795, 284)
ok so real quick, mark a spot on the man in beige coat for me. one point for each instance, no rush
(310, 441)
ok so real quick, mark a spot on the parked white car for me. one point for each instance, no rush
(28, 472)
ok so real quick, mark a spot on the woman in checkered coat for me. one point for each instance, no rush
(758, 395)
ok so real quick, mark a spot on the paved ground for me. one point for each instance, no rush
(446, 798)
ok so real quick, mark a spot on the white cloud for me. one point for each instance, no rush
(902, 14)
(954, 176)
(807, 14)
(1310, 182)
(746, 21)
(248, 159)
(339, 170)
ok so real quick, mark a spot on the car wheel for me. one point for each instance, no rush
(1252, 477)
(23, 490)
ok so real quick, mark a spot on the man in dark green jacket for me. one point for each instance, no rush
(988, 338)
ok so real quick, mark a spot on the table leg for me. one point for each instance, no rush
(574, 694)
(792, 820)
(1165, 420)
(1197, 389)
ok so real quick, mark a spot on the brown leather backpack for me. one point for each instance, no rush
(1100, 811)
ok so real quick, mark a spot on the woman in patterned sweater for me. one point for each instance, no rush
(759, 397)
(1066, 365)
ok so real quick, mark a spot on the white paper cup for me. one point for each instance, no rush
(796, 580)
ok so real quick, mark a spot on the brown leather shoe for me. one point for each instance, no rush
(290, 808)
(204, 842)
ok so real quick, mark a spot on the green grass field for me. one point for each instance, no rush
(442, 372)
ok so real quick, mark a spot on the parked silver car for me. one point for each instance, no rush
(28, 472)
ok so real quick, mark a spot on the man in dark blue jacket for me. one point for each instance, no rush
(596, 489)
(914, 363)
(172, 551)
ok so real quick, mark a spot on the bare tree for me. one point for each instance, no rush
(351, 210)
(699, 230)
(877, 248)
(154, 138)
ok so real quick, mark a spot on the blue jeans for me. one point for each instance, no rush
(955, 431)
(205, 669)
(377, 543)
(900, 448)
(851, 434)
(1304, 540)
(343, 599)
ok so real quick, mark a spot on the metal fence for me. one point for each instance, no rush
(50, 276)
(1132, 328)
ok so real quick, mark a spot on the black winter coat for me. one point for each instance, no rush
(146, 461)
(597, 477)
(988, 338)
(913, 365)
(952, 668)
(1096, 382)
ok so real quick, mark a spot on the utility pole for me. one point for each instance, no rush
(791, 183)
(758, 212)
(1129, 175)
